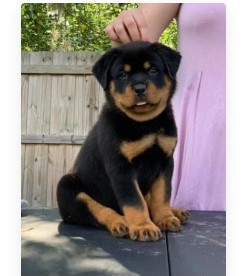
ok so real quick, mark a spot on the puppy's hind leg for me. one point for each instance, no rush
(71, 210)
(77, 207)
(106, 216)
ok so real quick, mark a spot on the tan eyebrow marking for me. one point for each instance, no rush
(127, 68)
(146, 65)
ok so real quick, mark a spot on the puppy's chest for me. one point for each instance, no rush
(133, 149)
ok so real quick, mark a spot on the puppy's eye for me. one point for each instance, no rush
(153, 71)
(123, 75)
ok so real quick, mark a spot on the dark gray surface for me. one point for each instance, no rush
(50, 247)
(199, 250)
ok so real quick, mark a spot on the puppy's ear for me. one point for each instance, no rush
(170, 57)
(102, 67)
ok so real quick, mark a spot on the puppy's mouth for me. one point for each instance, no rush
(142, 106)
(141, 103)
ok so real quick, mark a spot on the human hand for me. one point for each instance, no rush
(130, 25)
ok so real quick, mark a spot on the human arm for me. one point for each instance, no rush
(146, 22)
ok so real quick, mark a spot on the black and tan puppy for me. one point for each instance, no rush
(121, 179)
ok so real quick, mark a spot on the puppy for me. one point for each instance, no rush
(121, 179)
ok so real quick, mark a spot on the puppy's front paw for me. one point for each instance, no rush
(145, 232)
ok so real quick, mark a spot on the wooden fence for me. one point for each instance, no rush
(60, 102)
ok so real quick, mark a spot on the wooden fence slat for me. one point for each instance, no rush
(36, 105)
(66, 105)
(39, 185)
(56, 69)
(51, 174)
(27, 190)
(75, 151)
(25, 58)
(49, 139)
(79, 106)
(55, 96)
(43, 180)
(56, 169)
(24, 102)
(46, 98)
(23, 147)
(91, 102)
(69, 159)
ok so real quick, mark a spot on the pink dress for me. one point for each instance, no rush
(199, 106)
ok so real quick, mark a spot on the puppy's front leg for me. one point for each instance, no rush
(158, 201)
(137, 216)
(132, 202)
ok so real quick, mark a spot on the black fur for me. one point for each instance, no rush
(100, 170)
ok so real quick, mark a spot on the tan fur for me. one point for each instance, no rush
(146, 65)
(156, 197)
(127, 68)
(133, 149)
(167, 143)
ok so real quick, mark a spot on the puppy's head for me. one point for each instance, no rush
(138, 78)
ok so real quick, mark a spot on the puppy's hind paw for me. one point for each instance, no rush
(182, 215)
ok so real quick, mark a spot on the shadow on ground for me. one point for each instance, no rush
(50, 247)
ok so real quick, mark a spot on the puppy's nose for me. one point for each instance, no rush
(140, 89)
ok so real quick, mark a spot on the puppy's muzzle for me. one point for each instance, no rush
(140, 89)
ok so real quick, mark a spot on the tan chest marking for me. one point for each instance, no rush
(166, 143)
(133, 149)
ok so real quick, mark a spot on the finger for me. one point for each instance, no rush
(121, 32)
(110, 32)
(132, 28)
(141, 24)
